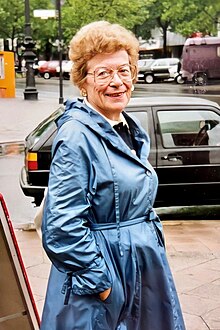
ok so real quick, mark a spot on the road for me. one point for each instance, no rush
(50, 88)
(211, 92)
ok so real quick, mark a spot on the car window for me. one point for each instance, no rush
(145, 63)
(160, 63)
(142, 117)
(141, 62)
(173, 61)
(189, 128)
(45, 125)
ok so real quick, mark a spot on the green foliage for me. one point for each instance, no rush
(183, 16)
(197, 15)
(77, 13)
(11, 18)
(186, 16)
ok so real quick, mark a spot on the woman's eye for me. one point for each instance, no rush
(124, 71)
(103, 74)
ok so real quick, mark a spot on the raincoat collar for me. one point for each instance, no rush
(111, 122)
(78, 110)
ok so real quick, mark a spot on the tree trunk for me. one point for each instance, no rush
(164, 41)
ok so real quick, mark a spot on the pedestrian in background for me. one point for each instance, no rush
(105, 241)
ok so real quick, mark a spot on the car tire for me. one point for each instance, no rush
(46, 75)
(66, 75)
(200, 79)
(179, 79)
(148, 78)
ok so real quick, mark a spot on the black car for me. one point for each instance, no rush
(158, 70)
(185, 149)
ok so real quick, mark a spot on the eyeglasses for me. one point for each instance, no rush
(103, 75)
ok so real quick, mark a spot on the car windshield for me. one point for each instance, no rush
(145, 63)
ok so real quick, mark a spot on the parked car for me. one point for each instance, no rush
(36, 66)
(159, 70)
(48, 69)
(144, 67)
(66, 69)
(183, 153)
(145, 63)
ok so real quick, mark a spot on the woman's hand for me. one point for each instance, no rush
(104, 295)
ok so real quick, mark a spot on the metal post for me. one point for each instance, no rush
(60, 50)
(30, 92)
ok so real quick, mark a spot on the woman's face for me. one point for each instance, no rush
(111, 95)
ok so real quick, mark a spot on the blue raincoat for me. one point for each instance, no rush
(100, 231)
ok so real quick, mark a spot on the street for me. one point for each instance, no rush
(50, 89)
(211, 91)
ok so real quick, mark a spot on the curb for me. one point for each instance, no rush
(11, 148)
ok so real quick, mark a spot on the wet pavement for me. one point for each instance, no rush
(193, 249)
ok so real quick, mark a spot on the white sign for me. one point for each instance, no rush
(2, 69)
(45, 13)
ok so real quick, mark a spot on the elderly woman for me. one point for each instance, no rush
(109, 268)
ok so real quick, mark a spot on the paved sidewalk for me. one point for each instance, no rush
(193, 249)
(19, 117)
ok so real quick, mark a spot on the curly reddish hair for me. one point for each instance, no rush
(100, 37)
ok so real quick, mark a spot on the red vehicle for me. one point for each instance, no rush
(48, 69)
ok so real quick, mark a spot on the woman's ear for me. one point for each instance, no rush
(83, 92)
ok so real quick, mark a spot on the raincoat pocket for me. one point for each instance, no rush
(95, 279)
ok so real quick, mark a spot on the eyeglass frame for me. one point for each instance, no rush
(133, 68)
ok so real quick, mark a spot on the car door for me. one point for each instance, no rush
(188, 155)
(144, 116)
(160, 69)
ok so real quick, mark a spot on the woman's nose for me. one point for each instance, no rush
(116, 80)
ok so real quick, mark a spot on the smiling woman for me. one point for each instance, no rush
(99, 227)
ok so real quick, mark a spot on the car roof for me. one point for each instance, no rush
(170, 100)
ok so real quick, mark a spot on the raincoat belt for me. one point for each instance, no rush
(113, 225)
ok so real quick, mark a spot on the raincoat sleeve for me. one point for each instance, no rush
(67, 239)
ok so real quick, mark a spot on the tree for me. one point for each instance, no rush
(140, 16)
(12, 19)
(197, 15)
(77, 13)
(182, 16)
(12, 16)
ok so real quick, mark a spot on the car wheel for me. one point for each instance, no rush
(179, 79)
(149, 78)
(66, 75)
(200, 79)
(46, 75)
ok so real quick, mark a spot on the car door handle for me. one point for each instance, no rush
(172, 157)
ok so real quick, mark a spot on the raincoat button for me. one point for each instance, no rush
(148, 173)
